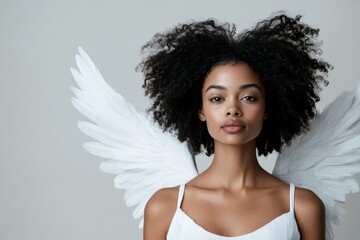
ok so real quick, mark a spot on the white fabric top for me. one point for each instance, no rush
(284, 227)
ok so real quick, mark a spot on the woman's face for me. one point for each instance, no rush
(233, 104)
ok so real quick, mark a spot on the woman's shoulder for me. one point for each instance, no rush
(306, 201)
(309, 213)
(162, 204)
(159, 211)
(163, 201)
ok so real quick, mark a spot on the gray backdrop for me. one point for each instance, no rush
(50, 188)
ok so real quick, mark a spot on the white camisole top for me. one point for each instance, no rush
(284, 227)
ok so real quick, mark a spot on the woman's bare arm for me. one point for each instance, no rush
(158, 213)
(310, 215)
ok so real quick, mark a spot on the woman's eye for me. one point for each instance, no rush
(216, 99)
(249, 98)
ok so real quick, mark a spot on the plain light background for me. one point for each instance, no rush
(51, 188)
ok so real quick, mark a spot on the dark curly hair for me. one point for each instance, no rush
(281, 50)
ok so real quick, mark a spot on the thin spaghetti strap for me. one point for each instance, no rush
(181, 194)
(292, 194)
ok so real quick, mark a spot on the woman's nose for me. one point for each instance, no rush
(233, 113)
(234, 110)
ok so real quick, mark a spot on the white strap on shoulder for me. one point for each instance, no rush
(292, 196)
(181, 194)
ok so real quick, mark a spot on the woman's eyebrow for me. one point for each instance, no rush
(215, 87)
(242, 87)
(250, 85)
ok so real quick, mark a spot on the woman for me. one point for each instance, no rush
(232, 95)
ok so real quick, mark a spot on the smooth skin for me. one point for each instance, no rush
(241, 195)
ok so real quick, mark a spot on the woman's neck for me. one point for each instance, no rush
(235, 167)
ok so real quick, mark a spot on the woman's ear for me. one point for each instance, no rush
(202, 116)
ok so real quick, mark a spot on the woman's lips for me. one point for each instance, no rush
(233, 126)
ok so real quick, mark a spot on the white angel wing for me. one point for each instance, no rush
(327, 157)
(144, 158)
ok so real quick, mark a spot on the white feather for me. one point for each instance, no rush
(327, 157)
(139, 152)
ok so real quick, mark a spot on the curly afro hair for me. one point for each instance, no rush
(281, 50)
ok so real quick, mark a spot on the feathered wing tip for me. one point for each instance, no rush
(327, 157)
(144, 158)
